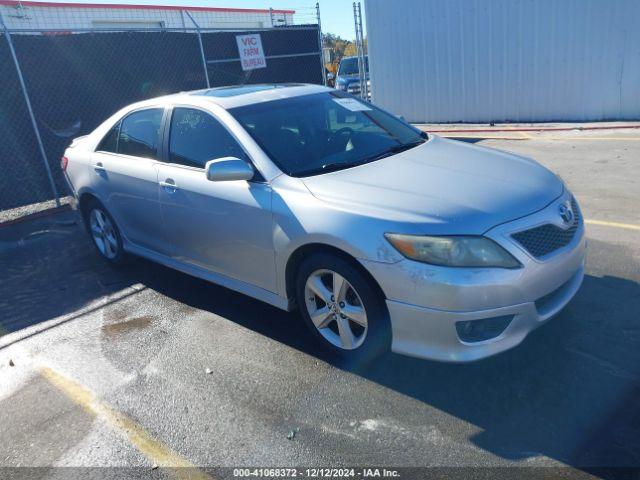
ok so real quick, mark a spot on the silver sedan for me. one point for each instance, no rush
(304, 196)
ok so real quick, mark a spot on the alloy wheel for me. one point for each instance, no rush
(336, 309)
(103, 233)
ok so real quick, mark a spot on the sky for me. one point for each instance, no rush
(336, 15)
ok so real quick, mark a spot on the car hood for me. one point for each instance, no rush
(445, 186)
(350, 78)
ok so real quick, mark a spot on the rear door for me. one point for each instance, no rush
(225, 227)
(126, 176)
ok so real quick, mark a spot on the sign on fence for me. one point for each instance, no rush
(250, 50)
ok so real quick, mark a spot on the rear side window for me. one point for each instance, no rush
(110, 141)
(196, 137)
(140, 133)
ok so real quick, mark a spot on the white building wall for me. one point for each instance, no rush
(505, 60)
(35, 16)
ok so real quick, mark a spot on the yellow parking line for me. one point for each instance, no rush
(151, 448)
(627, 226)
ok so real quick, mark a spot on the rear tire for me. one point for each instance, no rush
(352, 323)
(104, 233)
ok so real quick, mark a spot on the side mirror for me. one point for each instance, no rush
(227, 169)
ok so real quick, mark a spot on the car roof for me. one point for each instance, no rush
(241, 95)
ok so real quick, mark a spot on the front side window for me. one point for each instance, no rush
(318, 133)
(140, 133)
(196, 137)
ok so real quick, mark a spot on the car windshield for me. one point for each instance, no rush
(318, 133)
(349, 66)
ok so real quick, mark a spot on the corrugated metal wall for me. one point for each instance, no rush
(505, 60)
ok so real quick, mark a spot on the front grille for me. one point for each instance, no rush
(545, 239)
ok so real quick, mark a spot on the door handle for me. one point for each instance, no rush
(98, 167)
(169, 185)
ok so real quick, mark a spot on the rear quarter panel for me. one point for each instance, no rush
(78, 169)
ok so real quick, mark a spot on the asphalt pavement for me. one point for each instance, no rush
(147, 367)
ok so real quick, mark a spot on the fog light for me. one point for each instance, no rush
(471, 331)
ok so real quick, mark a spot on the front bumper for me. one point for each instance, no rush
(430, 333)
(355, 90)
(425, 302)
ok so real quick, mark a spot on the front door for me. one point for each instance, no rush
(225, 227)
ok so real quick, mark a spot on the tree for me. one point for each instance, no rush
(350, 50)
(338, 46)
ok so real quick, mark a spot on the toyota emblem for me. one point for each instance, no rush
(566, 214)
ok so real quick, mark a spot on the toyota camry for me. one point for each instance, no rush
(383, 236)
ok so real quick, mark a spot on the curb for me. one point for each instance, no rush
(32, 216)
(532, 129)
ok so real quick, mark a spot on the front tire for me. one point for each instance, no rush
(104, 233)
(342, 308)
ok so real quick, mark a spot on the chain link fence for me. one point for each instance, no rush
(76, 80)
(20, 182)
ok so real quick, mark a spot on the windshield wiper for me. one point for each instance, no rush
(393, 150)
(332, 167)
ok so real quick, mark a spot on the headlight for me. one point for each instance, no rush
(456, 251)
